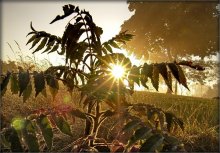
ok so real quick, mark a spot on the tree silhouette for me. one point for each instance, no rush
(171, 29)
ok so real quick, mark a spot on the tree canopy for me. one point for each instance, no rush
(179, 27)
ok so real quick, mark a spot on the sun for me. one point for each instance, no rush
(117, 71)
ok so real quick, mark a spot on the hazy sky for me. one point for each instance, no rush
(16, 18)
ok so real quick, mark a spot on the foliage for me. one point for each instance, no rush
(174, 28)
(87, 68)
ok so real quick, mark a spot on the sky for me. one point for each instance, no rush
(16, 18)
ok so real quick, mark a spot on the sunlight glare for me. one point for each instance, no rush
(117, 71)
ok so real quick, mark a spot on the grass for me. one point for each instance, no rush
(200, 115)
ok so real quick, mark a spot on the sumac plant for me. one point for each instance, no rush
(87, 68)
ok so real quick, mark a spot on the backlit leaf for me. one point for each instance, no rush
(23, 80)
(29, 136)
(108, 113)
(49, 46)
(108, 47)
(134, 74)
(53, 92)
(147, 70)
(35, 42)
(39, 82)
(78, 113)
(5, 83)
(62, 125)
(68, 10)
(155, 77)
(15, 142)
(141, 133)
(27, 92)
(182, 78)
(163, 71)
(54, 48)
(152, 144)
(130, 125)
(46, 130)
(174, 69)
(14, 84)
(42, 44)
(169, 120)
(113, 44)
(31, 39)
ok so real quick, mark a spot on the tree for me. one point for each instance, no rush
(171, 29)
(88, 68)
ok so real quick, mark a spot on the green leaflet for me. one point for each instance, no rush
(23, 80)
(108, 113)
(139, 134)
(174, 69)
(29, 136)
(152, 144)
(164, 73)
(108, 47)
(14, 84)
(39, 82)
(53, 92)
(130, 125)
(46, 130)
(182, 78)
(32, 39)
(15, 142)
(78, 113)
(62, 125)
(49, 46)
(113, 44)
(68, 10)
(54, 48)
(35, 42)
(42, 44)
(5, 83)
(147, 70)
(134, 74)
(155, 77)
(27, 92)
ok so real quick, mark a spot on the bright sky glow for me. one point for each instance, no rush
(17, 15)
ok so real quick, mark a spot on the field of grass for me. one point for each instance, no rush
(200, 115)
